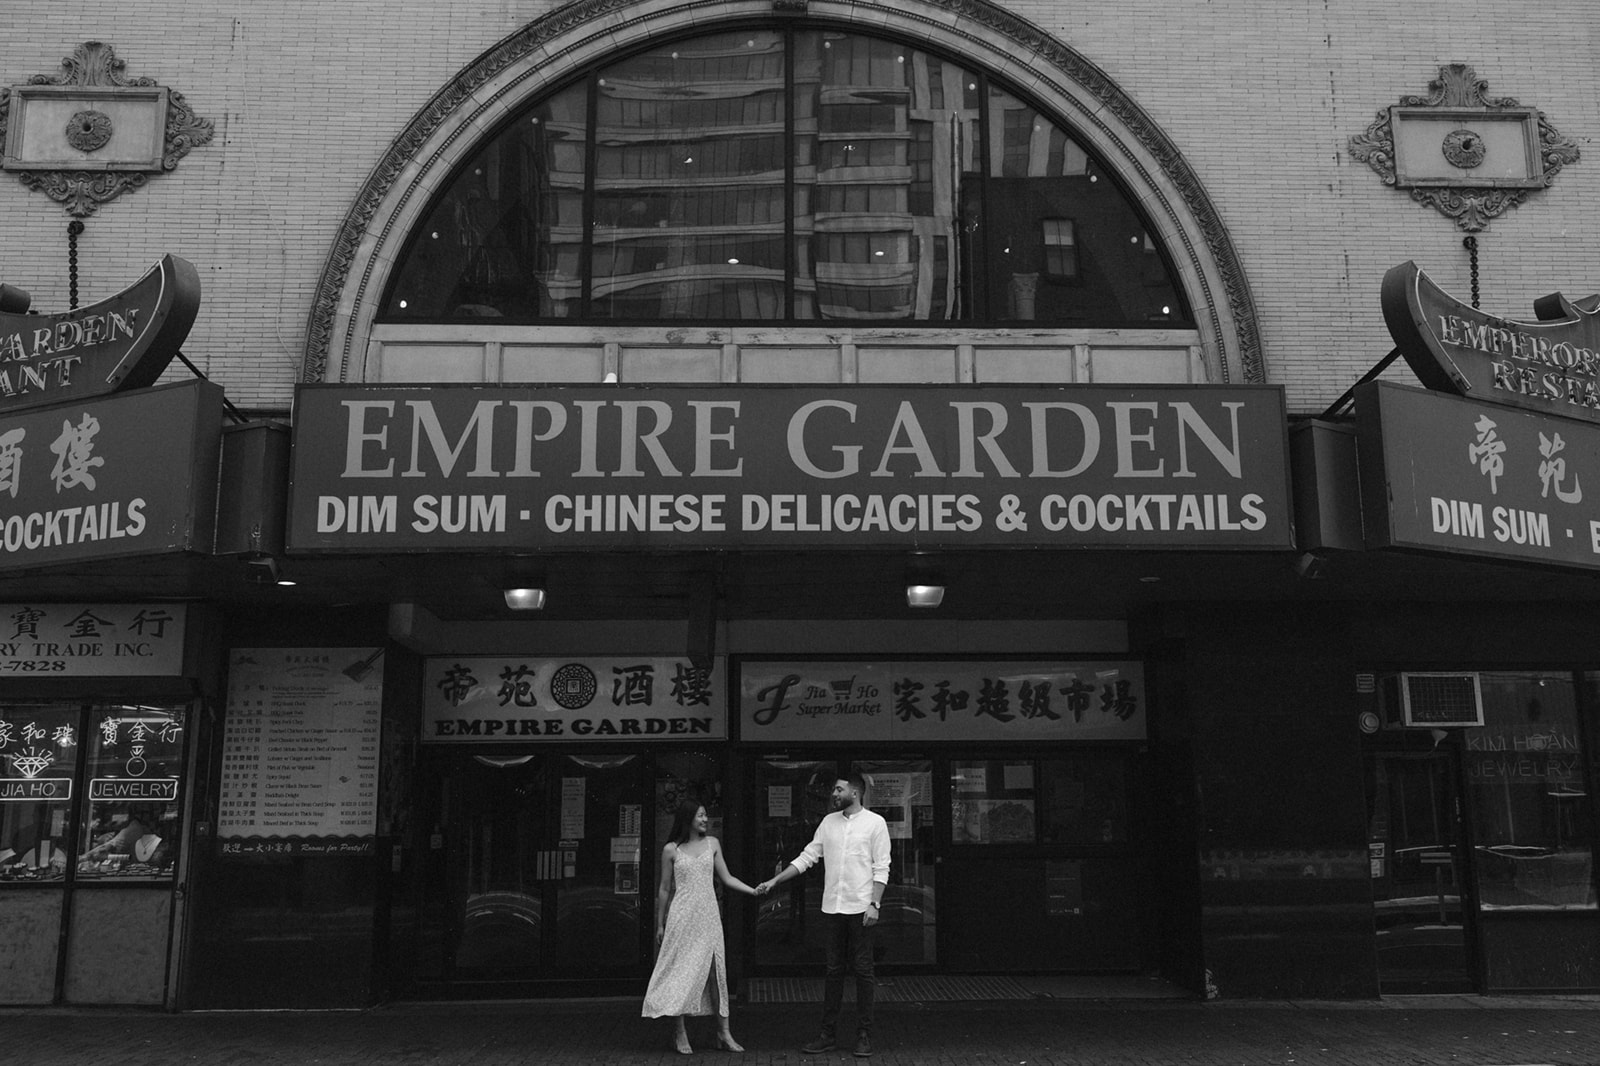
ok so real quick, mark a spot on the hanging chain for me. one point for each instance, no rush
(74, 228)
(1471, 245)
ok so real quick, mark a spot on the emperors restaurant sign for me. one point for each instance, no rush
(1445, 474)
(390, 468)
(1551, 365)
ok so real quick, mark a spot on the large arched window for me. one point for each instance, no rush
(784, 175)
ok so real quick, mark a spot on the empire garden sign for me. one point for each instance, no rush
(471, 468)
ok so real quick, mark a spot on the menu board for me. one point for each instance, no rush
(300, 752)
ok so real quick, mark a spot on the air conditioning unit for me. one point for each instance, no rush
(1428, 699)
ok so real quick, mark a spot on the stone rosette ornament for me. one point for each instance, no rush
(1470, 156)
(88, 134)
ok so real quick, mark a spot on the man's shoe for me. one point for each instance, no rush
(863, 1046)
(819, 1045)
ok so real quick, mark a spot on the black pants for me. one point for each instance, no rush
(849, 950)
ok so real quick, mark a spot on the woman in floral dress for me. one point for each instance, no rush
(691, 974)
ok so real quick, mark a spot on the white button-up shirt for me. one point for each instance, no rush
(854, 850)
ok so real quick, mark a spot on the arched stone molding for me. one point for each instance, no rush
(549, 51)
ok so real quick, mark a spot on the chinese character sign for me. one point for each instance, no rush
(109, 477)
(476, 699)
(1457, 475)
(91, 640)
(922, 701)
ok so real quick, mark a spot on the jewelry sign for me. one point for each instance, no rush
(391, 468)
(916, 701)
(92, 639)
(496, 699)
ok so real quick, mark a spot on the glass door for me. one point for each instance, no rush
(902, 791)
(792, 795)
(1414, 842)
(538, 874)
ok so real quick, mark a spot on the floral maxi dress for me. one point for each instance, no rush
(691, 945)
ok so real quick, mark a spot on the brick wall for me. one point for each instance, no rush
(1261, 99)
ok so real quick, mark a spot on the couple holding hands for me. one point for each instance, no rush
(690, 975)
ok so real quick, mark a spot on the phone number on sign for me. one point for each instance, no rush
(29, 666)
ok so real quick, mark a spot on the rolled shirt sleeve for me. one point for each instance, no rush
(880, 852)
(812, 853)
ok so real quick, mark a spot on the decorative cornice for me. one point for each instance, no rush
(1051, 58)
(95, 64)
(1472, 205)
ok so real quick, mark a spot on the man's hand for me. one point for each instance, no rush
(870, 918)
(763, 888)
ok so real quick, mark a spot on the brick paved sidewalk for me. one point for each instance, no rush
(1447, 1031)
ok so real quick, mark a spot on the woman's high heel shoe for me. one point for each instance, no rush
(726, 1042)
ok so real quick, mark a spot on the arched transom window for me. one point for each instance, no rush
(786, 174)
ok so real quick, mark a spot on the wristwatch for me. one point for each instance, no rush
(874, 905)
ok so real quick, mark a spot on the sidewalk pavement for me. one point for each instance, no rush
(1401, 1031)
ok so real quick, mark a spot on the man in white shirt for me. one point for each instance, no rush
(853, 844)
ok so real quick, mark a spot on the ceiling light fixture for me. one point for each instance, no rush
(525, 598)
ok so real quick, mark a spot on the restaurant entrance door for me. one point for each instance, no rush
(539, 869)
(523, 883)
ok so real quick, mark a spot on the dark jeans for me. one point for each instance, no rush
(849, 949)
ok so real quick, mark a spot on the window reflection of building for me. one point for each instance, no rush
(912, 190)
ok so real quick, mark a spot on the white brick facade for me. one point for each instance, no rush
(1260, 99)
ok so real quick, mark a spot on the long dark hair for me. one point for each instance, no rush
(683, 820)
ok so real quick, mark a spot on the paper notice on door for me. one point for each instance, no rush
(780, 801)
(572, 790)
(629, 819)
(624, 849)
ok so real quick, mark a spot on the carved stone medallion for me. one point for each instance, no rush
(89, 130)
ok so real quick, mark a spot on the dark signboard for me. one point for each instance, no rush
(123, 342)
(1550, 365)
(1454, 475)
(393, 468)
(125, 475)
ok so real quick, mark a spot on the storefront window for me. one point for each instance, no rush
(993, 802)
(1075, 800)
(133, 769)
(1085, 800)
(1525, 783)
(38, 755)
(784, 175)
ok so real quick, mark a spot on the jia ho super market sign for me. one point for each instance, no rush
(394, 468)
